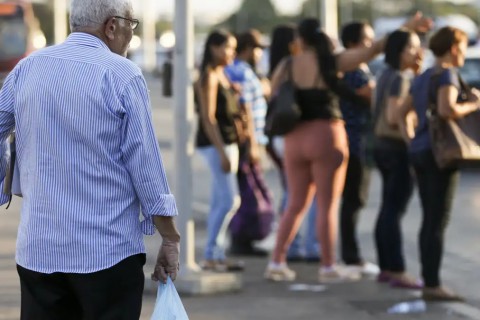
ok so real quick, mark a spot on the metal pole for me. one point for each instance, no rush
(149, 41)
(60, 20)
(183, 142)
(329, 17)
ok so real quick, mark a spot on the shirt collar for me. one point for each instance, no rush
(86, 39)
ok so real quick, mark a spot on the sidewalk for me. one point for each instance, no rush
(265, 300)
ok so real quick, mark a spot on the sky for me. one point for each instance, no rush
(217, 9)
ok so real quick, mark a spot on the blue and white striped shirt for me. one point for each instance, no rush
(252, 92)
(87, 154)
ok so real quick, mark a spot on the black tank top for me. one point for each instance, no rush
(227, 107)
(318, 104)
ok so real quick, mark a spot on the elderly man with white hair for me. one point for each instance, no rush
(89, 167)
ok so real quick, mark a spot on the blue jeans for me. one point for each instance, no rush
(308, 247)
(224, 200)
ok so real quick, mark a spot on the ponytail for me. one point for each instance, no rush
(309, 30)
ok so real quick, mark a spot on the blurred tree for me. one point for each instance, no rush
(163, 25)
(254, 14)
(44, 14)
(369, 10)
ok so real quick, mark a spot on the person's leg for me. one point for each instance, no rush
(398, 185)
(379, 234)
(399, 191)
(329, 169)
(301, 190)
(437, 189)
(224, 202)
(111, 294)
(46, 297)
(295, 251)
(354, 198)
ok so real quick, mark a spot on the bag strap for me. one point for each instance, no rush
(433, 89)
(289, 67)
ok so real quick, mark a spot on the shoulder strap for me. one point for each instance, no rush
(289, 66)
(463, 85)
(433, 89)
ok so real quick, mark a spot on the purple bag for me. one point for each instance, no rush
(253, 220)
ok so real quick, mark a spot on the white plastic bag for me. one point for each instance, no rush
(168, 305)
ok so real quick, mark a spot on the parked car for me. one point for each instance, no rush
(470, 72)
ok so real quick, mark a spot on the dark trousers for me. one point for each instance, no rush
(355, 196)
(110, 294)
(393, 163)
(437, 189)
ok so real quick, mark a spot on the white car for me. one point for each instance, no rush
(470, 72)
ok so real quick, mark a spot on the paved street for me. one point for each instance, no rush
(263, 300)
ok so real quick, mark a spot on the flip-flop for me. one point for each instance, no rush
(383, 277)
(442, 297)
(397, 283)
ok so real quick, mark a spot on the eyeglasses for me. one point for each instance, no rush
(133, 22)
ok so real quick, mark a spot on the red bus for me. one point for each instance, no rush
(17, 30)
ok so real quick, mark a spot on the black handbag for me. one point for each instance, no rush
(283, 112)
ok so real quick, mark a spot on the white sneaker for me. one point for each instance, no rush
(370, 269)
(337, 274)
(367, 269)
(281, 273)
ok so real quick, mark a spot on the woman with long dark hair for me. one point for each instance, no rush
(217, 142)
(402, 53)
(316, 150)
(282, 45)
(305, 246)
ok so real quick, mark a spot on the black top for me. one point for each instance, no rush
(318, 104)
(226, 109)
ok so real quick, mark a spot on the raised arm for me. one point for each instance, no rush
(350, 59)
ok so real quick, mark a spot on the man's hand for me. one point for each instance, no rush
(167, 261)
(419, 23)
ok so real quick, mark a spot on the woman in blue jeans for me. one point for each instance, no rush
(442, 86)
(402, 53)
(216, 141)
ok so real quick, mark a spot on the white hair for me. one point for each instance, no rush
(90, 13)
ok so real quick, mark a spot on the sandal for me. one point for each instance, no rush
(404, 281)
(384, 277)
(222, 266)
(441, 294)
(232, 266)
